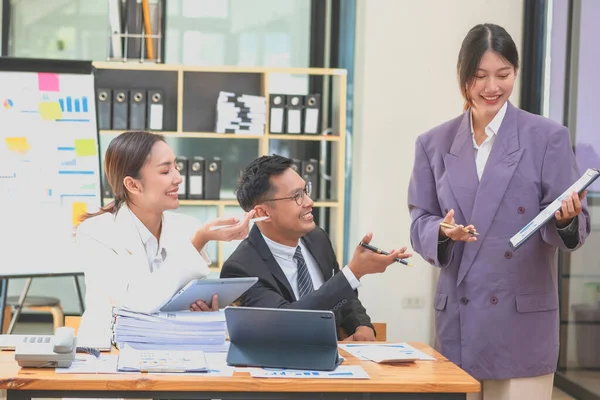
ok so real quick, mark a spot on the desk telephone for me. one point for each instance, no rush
(47, 351)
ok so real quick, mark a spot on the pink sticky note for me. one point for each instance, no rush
(48, 82)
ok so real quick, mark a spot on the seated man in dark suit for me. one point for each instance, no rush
(292, 257)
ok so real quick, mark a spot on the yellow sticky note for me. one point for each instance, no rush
(85, 147)
(79, 210)
(50, 110)
(18, 144)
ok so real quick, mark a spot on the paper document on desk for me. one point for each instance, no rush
(386, 352)
(341, 372)
(89, 364)
(131, 359)
(217, 366)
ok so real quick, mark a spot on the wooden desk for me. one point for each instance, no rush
(430, 380)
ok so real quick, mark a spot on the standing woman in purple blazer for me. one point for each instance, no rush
(493, 169)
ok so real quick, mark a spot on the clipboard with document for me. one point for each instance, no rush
(543, 217)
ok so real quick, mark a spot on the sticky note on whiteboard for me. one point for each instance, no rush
(85, 147)
(18, 144)
(48, 82)
(50, 110)
(79, 209)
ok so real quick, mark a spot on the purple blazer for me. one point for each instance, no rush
(496, 309)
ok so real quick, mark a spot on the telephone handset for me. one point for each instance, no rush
(53, 351)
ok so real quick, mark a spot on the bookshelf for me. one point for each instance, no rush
(189, 113)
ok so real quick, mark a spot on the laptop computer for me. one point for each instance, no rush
(282, 338)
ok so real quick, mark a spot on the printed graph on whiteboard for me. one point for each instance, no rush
(50, 163)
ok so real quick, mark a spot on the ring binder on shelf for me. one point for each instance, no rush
(181, 163)
(196, 179)
(297, 166)
(120, 107)
(104, 108)
(312, 105)
(277, 113)
(137, 109)
(212, 180)
(155, 110)
(294, 115)
(310, 173)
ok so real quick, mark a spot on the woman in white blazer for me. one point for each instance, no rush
(136, 253)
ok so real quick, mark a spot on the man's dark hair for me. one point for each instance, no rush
(254, 185)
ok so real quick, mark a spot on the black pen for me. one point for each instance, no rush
(376, 250)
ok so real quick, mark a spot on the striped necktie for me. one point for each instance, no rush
(305, 285)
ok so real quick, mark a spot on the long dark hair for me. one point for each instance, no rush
(125, 156)
(481, 38)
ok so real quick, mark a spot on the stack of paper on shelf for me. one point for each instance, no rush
(186, 330)
(241, 113)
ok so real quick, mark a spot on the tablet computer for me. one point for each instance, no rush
(282, 338)
(228, 289)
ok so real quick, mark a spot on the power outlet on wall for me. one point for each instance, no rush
(413, 302)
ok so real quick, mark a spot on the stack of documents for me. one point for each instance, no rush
(186, 330)
(241, 113)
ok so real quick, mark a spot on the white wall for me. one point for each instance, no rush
(405, 84)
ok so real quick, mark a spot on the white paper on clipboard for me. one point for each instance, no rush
(579, 186)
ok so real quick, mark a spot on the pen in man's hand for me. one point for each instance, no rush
(450, 226)
(376, 250)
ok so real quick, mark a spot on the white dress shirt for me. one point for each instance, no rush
(285, 258)
(482, 152)
(155, 253)
(123, 268)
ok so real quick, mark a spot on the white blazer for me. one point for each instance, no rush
(117, 272)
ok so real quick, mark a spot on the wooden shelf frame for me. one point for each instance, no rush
(231, 136)
(132, 66)
(338, 141)
(233, 203)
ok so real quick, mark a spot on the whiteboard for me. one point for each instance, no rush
(49, 169)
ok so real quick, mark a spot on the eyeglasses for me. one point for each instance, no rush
(299, 196)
